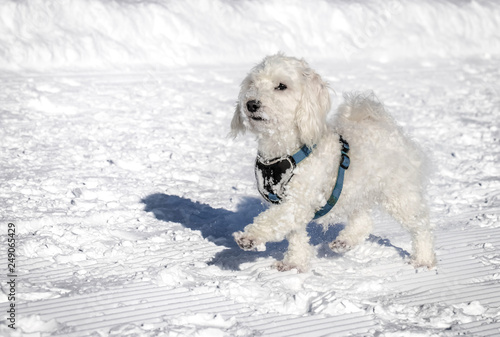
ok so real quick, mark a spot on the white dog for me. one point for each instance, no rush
(285, 104)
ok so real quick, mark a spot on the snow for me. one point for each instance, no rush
(48, 34)
(125, 190)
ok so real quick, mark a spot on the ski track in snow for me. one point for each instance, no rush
(125, 189)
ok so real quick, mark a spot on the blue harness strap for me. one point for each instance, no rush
(302, 154)
(337, 189)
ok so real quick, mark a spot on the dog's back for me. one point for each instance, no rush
(389, 159)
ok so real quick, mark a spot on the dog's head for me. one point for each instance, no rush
(282, 94)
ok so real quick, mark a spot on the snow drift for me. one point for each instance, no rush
(52, 34)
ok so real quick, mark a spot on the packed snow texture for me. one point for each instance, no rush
(47, 34)
(116, 170)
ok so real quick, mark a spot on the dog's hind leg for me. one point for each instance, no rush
(423, 246)
(299, 252)
(358, 228)
(411, 211)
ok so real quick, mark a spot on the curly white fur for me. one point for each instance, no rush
(285, 104)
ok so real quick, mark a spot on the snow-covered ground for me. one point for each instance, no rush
(124, 189)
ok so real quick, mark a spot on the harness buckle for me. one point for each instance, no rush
(346, 161)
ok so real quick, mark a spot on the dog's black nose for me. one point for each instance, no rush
(253, 105)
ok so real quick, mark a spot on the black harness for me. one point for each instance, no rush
(273, 176)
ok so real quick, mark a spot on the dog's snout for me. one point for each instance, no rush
(253, 105)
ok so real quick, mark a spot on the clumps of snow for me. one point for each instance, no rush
(34, 325)
(205, 325)
(473, 308)
(329, 304)
(195, 325)
(208, 320)
(174, 276)
(44, 104)
(434, 317)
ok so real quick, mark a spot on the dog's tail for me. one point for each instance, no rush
(359, 107)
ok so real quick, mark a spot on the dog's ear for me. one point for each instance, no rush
(313, 108)
(237, 125)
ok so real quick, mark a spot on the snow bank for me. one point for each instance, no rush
(82, 34)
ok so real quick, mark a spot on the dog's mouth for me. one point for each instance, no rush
(257, 118)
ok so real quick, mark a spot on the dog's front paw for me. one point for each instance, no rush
(284, 266)
(339, 246)
(247, 242)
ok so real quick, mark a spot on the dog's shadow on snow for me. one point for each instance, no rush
(218, 225)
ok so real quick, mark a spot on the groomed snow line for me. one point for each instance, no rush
(120, 188)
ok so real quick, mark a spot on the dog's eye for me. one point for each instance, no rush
(281, 87)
